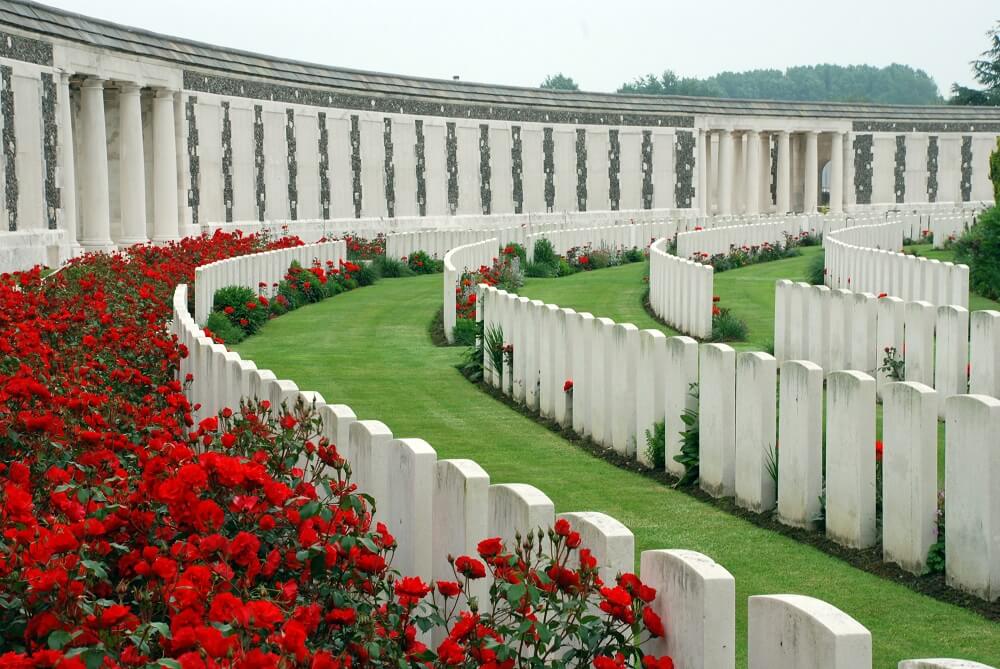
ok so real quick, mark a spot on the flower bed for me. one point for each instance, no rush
(132, 536)
(741, 256)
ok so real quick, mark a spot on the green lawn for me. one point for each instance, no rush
(370, 349)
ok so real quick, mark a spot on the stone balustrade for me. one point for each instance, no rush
(618, 372)
(440, 507)
(680, 291)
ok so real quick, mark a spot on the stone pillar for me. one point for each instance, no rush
(67, 164)
(837, 172)
(811, 187)
(94, 198)
(765, 173)
(726, 170)
(132, 170)
(703, 200)
(784, 173)
(165, 218)
(739, 173)
(752, 183)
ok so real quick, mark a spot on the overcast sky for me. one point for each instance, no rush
(601, 44)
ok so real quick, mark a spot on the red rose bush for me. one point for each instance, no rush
(132, 536)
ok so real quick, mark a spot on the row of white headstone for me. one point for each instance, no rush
(625, 380)
(437, 508)
(250, 271)
(713, 241)
(944, 347)
(680, 291)
(458, 261)
(869, 262)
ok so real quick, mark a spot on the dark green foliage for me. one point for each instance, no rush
(816, 272)
(633, 255)
(979, 248)
(390, 268)
(995, 172)
(727, 327)
(893, 84)
(515, 249)
(465, 331)
(986, 70)
(421, 263)
(936, 553)
(240, 305)
(366, 276)
(537, 270)
(565, 269)
(656, 445)
(472, 360)
(690, 444)
(544, 261)
(223, 329)
(599, 259)
(493, 346)
(560, 82)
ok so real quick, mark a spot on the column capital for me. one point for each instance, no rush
(93, 82)
(129, 88)
(164, 93)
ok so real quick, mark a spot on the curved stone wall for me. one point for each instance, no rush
(114, 135)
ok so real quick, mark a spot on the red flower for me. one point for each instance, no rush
(489, 548)
(652, 622)
(568, 385)
(650, 662)
(878, 450)
(410, 590)
(470, 567)
(449, 588)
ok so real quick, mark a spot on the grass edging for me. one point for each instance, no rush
(868, 560)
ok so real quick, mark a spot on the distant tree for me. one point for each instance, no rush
(986, 70)
(894, 84)
(560, 82)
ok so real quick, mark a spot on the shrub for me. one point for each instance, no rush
(599, 259)
(241, 306)
(366, 275)
(633, 255)
(727, 327)
(515, 251)
(221, 329)
(690, 456)
(541, 270)
(421, 263)
(360, 248)
(390, 268)
(656, 445)
(816, 272)
(544, 253)
(465, 331)
(995, 172)
(979, 248)
(309, 285)
(565, 268)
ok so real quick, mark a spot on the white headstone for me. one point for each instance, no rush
(756, 456)
(800, 443)
(717, 420)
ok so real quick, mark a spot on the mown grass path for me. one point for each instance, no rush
(370, 349)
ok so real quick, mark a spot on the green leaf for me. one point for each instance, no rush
(58, 639)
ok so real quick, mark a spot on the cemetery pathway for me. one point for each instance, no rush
(371, 349)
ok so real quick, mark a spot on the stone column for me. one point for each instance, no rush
(752, 185)
(703, 200)
(837, 172)
(811, 189)
(165, 218)
(739, 173)
(784, 175)
(726, 170)
(132, 167)
(67, 164)
(94, 197)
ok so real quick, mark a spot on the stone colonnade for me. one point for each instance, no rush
(86, 176)
(750, 171)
